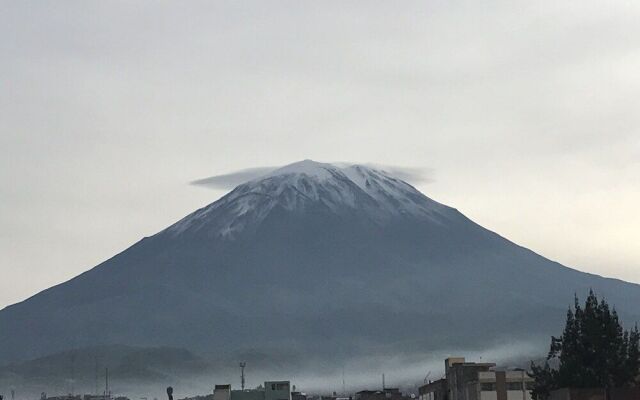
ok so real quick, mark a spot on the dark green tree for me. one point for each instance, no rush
(593, 351)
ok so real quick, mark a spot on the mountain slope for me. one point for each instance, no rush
(347, 259)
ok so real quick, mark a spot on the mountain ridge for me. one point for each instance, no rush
(352, 186)
(302, 259)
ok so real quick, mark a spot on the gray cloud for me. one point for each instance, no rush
(232, 179)
(412, 175)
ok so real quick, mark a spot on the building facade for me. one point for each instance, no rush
(478, 381)
(272, 390)
(277, 390)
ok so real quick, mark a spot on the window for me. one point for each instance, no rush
(528, 385)
(514, 386)
(488, 386)
(282, 386)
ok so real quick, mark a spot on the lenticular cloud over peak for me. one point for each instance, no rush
(230, 180)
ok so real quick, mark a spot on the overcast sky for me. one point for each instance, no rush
(526, 115)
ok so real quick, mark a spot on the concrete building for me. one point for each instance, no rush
(370, 395)
(501, 385)
(385, 394)
(298, 396)
(277, 390)
(272, 390)
(65, 397)
(222, 392)
(97, 397)
(477, 381)
(247, 394)
(436, 390)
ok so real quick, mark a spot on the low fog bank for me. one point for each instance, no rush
(138, 373)
(404, 371)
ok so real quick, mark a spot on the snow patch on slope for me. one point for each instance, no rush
(371, 192)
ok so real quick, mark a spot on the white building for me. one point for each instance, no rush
(477, 381)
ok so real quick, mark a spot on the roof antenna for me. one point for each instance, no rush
(242, 365)
(107, 393)
(344, 392)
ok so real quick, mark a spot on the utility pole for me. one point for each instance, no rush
(96, 373)
(73, 372)
(383, 382)
(107, 395)
(242, 365)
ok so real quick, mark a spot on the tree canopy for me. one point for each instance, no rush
(593, 351)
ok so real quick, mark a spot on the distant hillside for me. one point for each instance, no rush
(80, 370)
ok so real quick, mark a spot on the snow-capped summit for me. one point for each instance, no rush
(335, 188)
(306, 167)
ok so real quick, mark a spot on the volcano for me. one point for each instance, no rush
(311, 260)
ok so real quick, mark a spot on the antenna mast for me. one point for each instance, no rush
(73, 372)
(242, 365)
(96, 373)
(107, 394)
